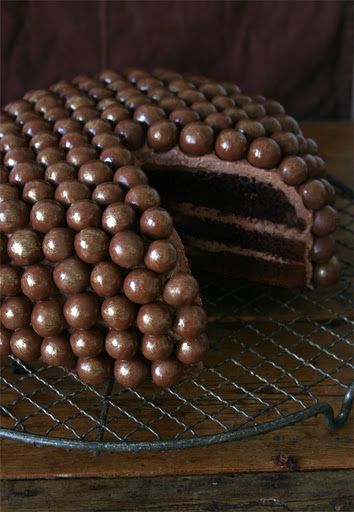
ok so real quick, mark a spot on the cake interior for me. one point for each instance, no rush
(235, 224)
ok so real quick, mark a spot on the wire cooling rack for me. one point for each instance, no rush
(274, 354)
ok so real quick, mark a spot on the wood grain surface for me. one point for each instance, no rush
(321, 491)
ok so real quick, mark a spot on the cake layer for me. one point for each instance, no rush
(248, 266)
(241, 195)
(236, 236)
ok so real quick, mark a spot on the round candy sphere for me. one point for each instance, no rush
(26, 344)
(180, 289)
(56, 351)
(143, 197)
(127, 249)
(192, 351)
(156, 348)
(161, 256)
(83, 214)
(142, 286)
(94, 370)
(91, 245)
(130, 373)
(37, 282)
(162, 136)
(118, 217)
(67, 192)
(71, 276)
(106, 279)
(46, 215)
(13, 215)
(58, 244)
(156, 223)
(118, 312)
(121, 344)
(154, 318)
(16, 312)
(10, 281)
(326, 274)
(190, 321)
(25, 247)
(196, 139)
(130, 176)
(166, 373)
(47, 318)
(87, 342)
(264, 153)
(81, 310)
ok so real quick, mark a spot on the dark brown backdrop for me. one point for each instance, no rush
(299, 52)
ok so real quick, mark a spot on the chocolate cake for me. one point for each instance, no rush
(93, 272)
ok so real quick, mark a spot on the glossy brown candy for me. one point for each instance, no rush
(71, 276)
(190, 321)
(121, 344)
(56, 351)
(118, 217)
(107, 193)
(130, 133)
(142, 286)
(37, 282)
(118, 312)
(130, 373)
(50, 156)
(91, 245)
(293, 170)
(155, 348)
(12, 141)
(83, 214)
(230, 145)
(67, 192)
(94, 370)
(287, 141)
(192, 351)
(10, 280)
(181, 289)
(314, 194)
(73, 139)
(37, 190)
(250, 129)
(85, 114)
(196, 139)
(182, 116)
(87, 342)
(46, 215)
(35, 126)
(218, 121)
(59, 172)
(167, 372)
(148, 114)
(161, 256)
(81, 310)
(8, 192)
(130, 176)
(328, 273)
(17, 156)
(143, 197)
(322, 249)
(47, 318)
(162, 136)
(79, 155)
(13, 215)
(26, 344)
(115, 113)
(325, 221)
(271, 125)
(264, 153)
(106, 279)
(16, 312)
(156, 223)
(24, 172)
(58, 244)
(126, 249)
(154, 318)
(25, 247)
(94, 172)
(116, 156)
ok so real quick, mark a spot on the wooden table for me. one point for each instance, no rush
(298, 468)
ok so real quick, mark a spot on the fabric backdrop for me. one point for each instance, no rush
(299, 52)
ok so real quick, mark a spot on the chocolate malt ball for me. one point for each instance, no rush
(87, 342)
(26, 344)
(81, 310)
(130, 373)
(47, 318)
(56, 351)
(94, 370)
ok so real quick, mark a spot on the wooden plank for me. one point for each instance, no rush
(310, 444)
(289, 492)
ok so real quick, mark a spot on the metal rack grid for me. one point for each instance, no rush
(273, 353)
